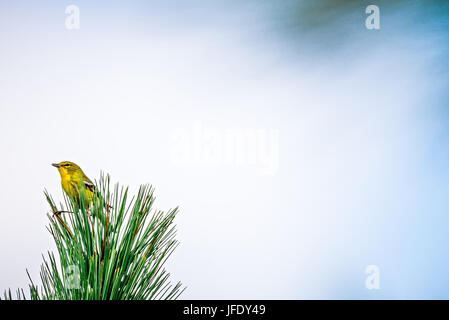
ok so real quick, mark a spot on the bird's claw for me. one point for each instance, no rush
(58, 213)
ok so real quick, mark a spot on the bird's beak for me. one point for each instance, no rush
(55, 165)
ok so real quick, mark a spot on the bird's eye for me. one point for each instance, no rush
(66, 165)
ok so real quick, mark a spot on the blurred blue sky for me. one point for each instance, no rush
(362, 114)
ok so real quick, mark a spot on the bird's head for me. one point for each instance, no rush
(67, 168)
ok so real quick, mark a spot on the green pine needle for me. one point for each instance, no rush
(114, 249)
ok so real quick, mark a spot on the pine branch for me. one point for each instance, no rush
(110, 249)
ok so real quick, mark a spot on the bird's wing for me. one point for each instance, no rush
(89, 185)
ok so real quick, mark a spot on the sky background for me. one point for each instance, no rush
(353, 125)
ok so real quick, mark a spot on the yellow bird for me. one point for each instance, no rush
(73, 180)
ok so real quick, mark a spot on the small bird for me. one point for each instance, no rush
(73, 180)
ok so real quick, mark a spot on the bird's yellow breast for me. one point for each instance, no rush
(72, 183)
